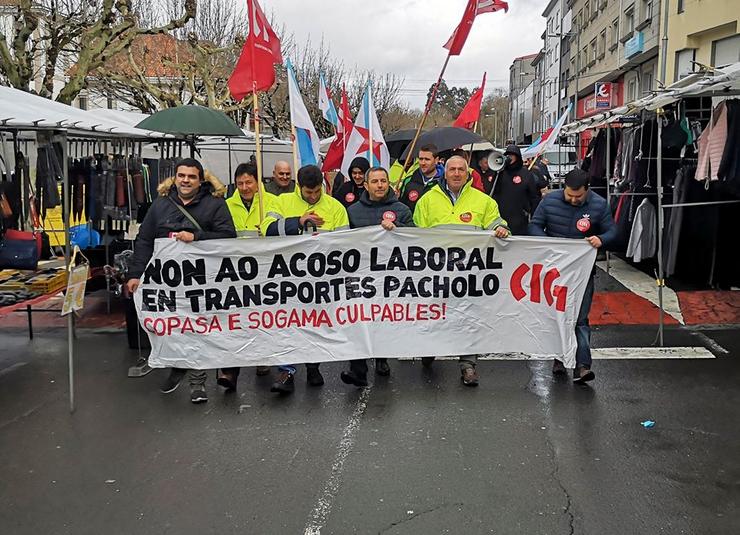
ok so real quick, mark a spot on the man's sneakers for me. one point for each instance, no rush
(583, 374)
(382, 368)
(173, 380)
(284, 384)
(140, 369)
(313, 376)
(352, 378)
(469, 377)
(198, 395)
(558, 368)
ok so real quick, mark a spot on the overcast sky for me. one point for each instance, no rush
(405, 37)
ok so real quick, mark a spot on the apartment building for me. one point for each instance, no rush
(521, 96)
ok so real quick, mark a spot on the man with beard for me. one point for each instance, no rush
(190, 207)
(378, 205)
(424, 178)
(515, 192)
(350, 191)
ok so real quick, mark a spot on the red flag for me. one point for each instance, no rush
(474, 8)
(471, 112)
(254, 71)
(335, 154)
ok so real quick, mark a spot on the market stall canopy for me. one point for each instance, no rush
(716, 83)
(22, 110)
(192, 120)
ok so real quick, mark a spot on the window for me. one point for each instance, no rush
(646, 10)
(602, 43)
(587, 10)
(632, 90)
(629, 21)
(726, 51)
(593, 51)
(647, 84)
(680, 6)
(684, 67)
(614, 34)
(82, 101)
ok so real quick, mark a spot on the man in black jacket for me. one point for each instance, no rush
(424, 178)
(189, 208)
(515, 192)
(378, 205)
(351, 190)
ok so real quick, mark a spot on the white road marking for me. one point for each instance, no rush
(643, 285)
(12, 368)
(714, 346)
(609, 353)
(321, 510)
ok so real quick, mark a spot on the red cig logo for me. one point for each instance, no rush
(539, 285)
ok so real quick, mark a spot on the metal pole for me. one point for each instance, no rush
(665, 4)
(659, 191)
(67, 258)
(608, 175)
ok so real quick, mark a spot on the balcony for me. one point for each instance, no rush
(626, 37)
(635, 45)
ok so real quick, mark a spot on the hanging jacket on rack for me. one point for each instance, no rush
(729, 167)
(675, 219)
(643, 238)
(712, 144)
(48, 171)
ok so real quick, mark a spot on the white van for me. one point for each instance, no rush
(560, 162)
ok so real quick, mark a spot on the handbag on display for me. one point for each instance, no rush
(20, 250)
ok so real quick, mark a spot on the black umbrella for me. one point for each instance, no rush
(445, 138)
(398, 141)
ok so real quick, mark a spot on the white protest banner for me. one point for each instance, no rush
(361, 293)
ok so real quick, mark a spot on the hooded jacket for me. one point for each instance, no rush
(417, 185)
(349, 192)
(208, 208)
(557, 218)
(516, 193)
(284, 218)
(366, 212)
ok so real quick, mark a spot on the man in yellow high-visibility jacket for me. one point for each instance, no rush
(245, 212)
(290, 215)
(454, 201)
(244, 203)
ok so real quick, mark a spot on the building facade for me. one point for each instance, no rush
(552, 41)
(703, 33)
(521, 95)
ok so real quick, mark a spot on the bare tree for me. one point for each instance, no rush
(71, 38)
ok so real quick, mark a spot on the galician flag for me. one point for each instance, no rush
(306, 138)
(548, 138)
(326, 105)
(367, 138)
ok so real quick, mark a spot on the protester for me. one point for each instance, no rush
(454, 201)
(515, 191)
(292, 214)
(476, 179)
(245, 212)
(350, 191)
(190, 207)
(488, 175)
(378, 205)
(424, 178)
(579, 213)
(281, 179)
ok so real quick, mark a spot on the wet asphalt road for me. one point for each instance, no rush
(416, 453)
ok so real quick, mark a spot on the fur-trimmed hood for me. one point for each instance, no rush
(218, 189)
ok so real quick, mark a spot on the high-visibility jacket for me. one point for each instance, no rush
(472, 208)
(246, 221)
(282, 220)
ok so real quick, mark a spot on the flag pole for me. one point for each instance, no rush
(369, 125)
(427, 109)
(258, 150)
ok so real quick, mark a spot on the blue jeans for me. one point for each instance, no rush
(583, 329)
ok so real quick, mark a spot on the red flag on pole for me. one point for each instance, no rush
(471, 112)
(335, 154)
(473, 9)
(255, 69)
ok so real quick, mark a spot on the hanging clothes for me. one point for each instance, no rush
(673, 230)
(729, 167)
(643, 238)
(712, 144)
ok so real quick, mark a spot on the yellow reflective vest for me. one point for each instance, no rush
(291, 205)
(472, 208)
(246, 221)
